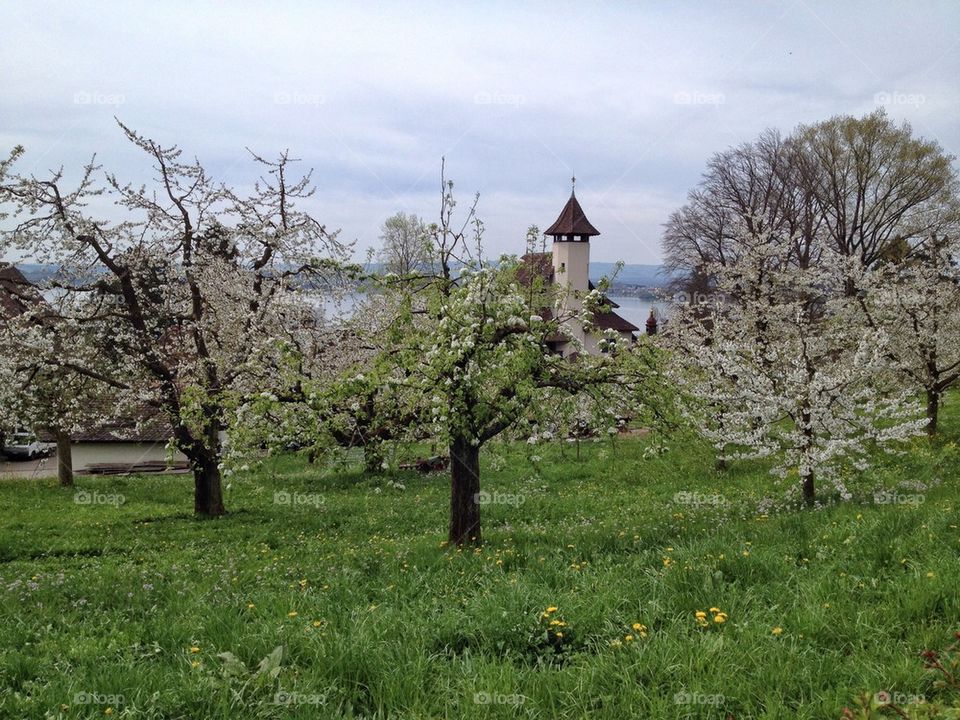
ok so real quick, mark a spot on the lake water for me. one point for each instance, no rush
(636, 310)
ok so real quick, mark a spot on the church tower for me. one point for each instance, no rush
(568, 268)
(571, 246)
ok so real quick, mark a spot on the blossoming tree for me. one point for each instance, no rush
(56, 375)
(915, 298)
(794, 371)
(333, 389)
(191, 279)
(471, 358)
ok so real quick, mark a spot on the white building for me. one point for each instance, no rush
(568, 268)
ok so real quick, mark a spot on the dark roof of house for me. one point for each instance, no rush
(572, 221)
(612, 321)
(533, 265)
(143, 425)
(17, 294)
(115, 433)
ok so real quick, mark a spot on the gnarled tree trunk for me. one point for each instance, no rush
(207, 491)
(464, 492)
(204, 455)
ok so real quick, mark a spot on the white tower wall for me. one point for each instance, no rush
(571, 265)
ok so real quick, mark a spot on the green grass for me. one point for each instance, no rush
(109, 600)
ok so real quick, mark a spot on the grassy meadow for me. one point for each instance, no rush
(582, 603)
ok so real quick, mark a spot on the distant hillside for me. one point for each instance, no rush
(37, 273)
(651, 276)
(648, 276)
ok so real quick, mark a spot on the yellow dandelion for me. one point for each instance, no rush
(628, 638)
(700, 614)
(194, 649)
(559, 634)
(195, 664)
(638, 627)
(552, 609)
(108, 711)
(714, 610)
(720, 618)
(777, 630)
(250, 606)
(292, 614)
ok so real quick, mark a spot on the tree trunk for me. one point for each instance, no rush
(464, 492)
(808, 475)
(207, 492)
(850, 287)
(933, 411)
(64, 458)
(808, 488)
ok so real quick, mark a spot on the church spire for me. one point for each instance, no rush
(572, 225)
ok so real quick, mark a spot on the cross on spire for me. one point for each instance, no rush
(573, 186)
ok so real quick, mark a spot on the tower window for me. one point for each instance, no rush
(563, 267)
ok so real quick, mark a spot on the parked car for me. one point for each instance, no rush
(26, 446)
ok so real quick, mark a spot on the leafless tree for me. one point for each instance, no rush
(854, 184)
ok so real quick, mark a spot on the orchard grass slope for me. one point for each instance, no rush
(583, 601)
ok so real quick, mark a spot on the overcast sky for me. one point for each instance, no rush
(633, 98)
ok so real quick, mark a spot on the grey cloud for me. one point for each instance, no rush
(634, 99)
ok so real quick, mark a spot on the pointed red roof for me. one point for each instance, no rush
(572, 221)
